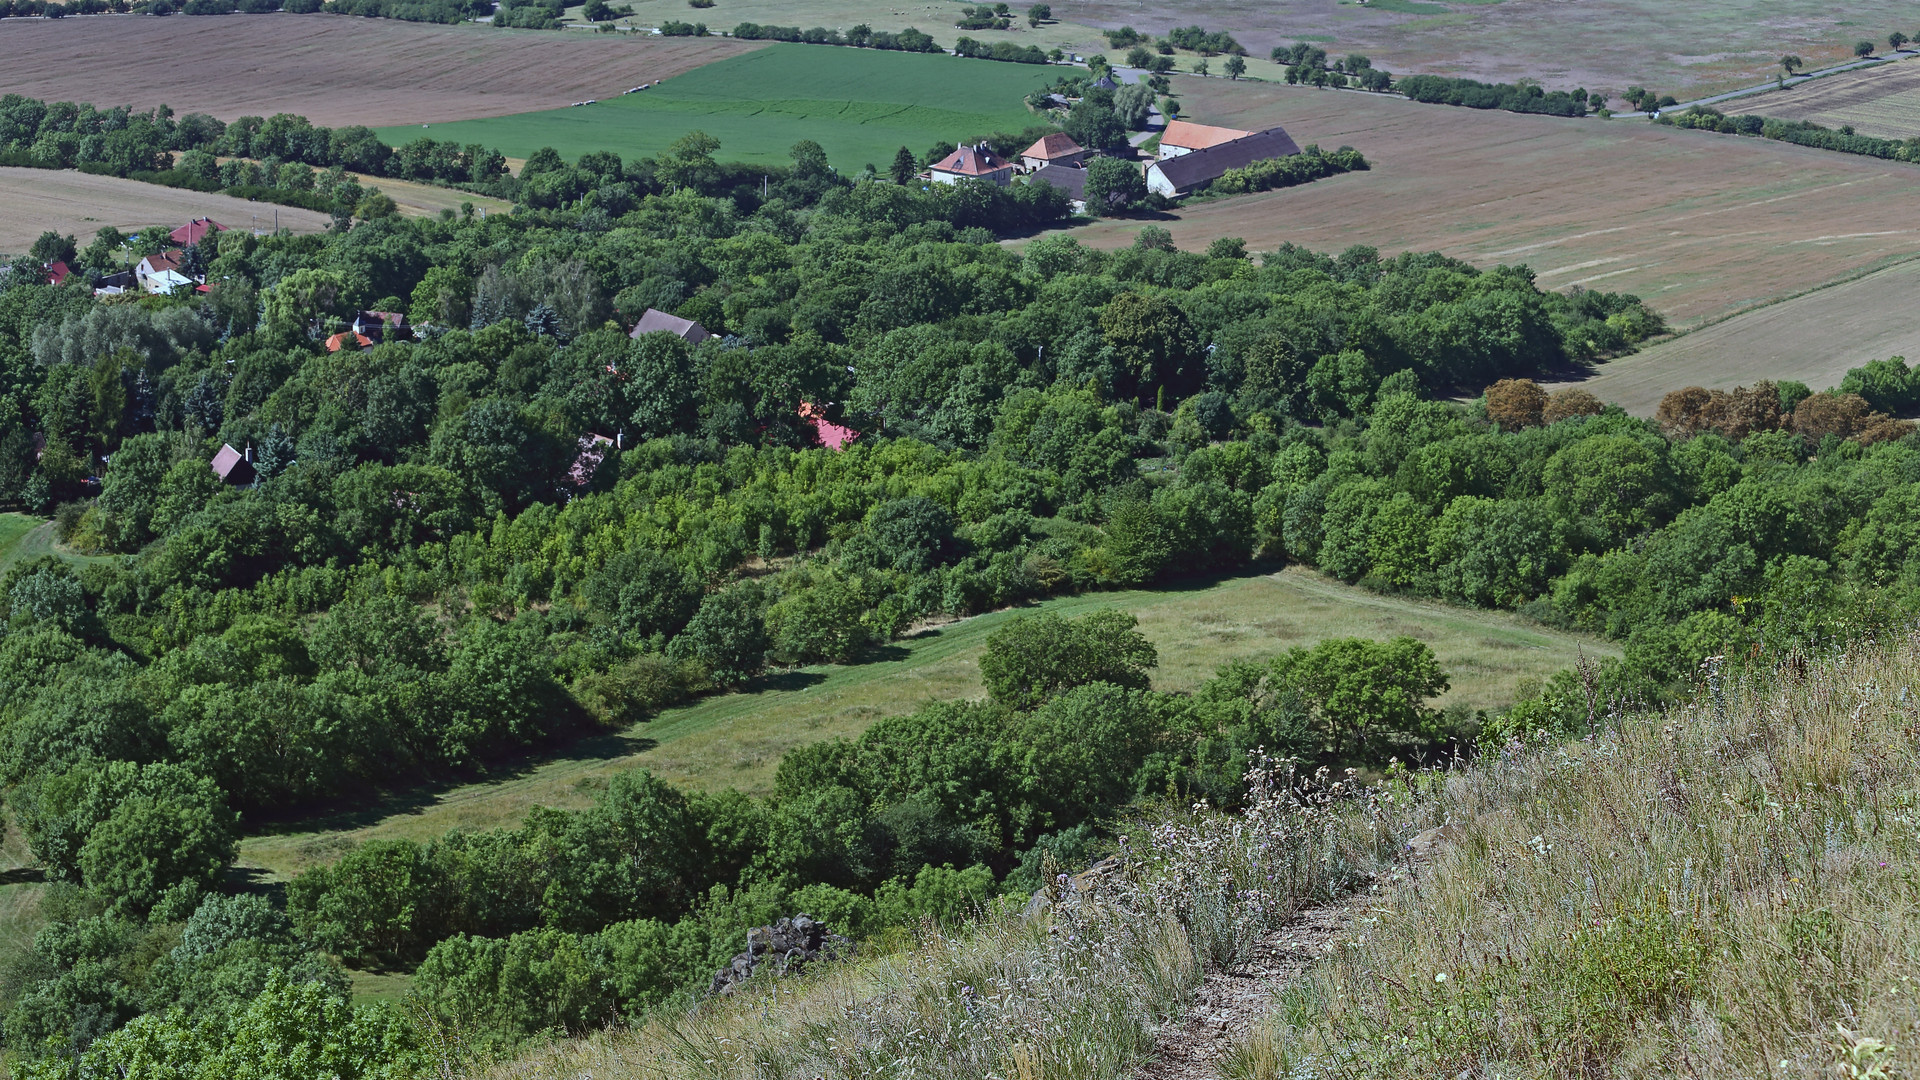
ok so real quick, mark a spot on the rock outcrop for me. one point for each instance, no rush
(787, 945)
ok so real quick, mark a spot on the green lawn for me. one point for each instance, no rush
(859, 104)
(25, 536)
(736, 740)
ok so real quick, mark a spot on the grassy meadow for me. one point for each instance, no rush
(736, 740)
(858, 104)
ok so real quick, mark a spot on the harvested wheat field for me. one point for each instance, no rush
(1883, 101)
(1700, 225)
(1813, 339)
(35, 200)
(334, 69)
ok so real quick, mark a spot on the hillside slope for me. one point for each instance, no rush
(1720, 889)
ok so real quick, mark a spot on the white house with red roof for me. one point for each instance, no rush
(161, 273)
(972, 163)
(1056, 148)
(192, 231)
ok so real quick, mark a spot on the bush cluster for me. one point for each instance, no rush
(860, 37)
(1524, 98)
(1303, 168)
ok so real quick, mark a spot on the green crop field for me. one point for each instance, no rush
(736, 740)
(859, 104)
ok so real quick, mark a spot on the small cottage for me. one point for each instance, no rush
(234, 467)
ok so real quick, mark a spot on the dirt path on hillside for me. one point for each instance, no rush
(1229, 1004)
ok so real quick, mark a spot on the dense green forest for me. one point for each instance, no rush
(438, 569)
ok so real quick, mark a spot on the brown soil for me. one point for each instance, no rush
(1881, 101)
(1813, 339)
(1700, 225)
(1688, 49)
(35, 200)
(333, 69)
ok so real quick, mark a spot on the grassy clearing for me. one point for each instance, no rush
(24, 536)
(737, 740)
(860, 105)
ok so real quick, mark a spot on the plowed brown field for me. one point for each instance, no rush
(1700, 225)
(1882, 101)
(332, 69)
(35, 200)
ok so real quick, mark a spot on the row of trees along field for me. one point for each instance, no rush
(423, 582)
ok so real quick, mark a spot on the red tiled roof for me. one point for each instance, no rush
(1056, 144)
(971, 161)
(335, 342)
(832, 436)
(57, 273)
(164, 261)
(192, 231)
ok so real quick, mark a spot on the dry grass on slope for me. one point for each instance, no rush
(1078, 992)
(1724, 890)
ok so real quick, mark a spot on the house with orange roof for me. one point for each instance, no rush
(972, 163)
(1056, 148)
(1185, 136)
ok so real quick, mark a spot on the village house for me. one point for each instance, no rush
(972, 163)
(161, 273)
(654, 320)
(1057, 148)
(1186, 173)
(1185, 137)
(190, 233)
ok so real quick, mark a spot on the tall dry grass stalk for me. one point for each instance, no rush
(1723, 889)
(1072, 993)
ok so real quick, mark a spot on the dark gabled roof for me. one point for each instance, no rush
(1189, 171)
(1071, 181)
